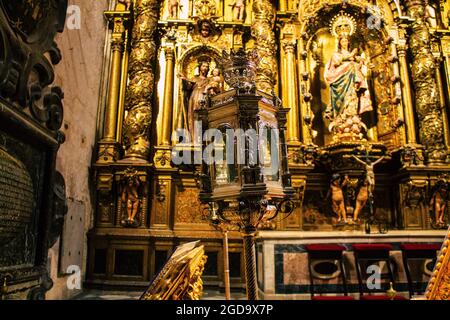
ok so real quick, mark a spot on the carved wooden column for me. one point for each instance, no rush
(406, 92)
(290, 100)
(442, 98)
(426, 89)
(306, 116)
(108, 151)
(265, 44)
(141, 81)
(168, 97)
(445, 74)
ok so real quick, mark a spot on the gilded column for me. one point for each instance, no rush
(291, 91)
(139, 93)
(283, 7)
(265, 44)
(306, 116)
(406, 92)
(168, 97)
(123, 88)
(445, 74)
(426, 89)
(442, 100)
(108, 143)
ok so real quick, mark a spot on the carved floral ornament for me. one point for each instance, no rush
(311, 10)
(308, 8)
(28, 55)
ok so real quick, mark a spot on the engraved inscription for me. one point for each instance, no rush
(16, 198)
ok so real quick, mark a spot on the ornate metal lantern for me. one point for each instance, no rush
(245, 177)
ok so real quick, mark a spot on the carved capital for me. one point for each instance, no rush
(169, 53)
(162, 159)
(288, 46)
(402, 48)
(117, 44)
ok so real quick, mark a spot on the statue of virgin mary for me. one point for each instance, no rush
(346, 75)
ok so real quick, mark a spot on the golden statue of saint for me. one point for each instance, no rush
(196, 89)
(346, 75)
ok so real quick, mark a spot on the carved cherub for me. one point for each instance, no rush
(130, 197)
(216, 81)
(361, 198)
(238, 9)
(174, 6)
(337, 197)
(438, 202)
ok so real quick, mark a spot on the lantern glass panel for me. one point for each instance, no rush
(225, 169)
(270, 153)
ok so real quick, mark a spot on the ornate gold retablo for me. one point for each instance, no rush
(16, 197)
(180, 278)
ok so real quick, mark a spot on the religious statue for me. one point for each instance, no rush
(346, 75)
(438, 203)
(221, 173)
(337, 197)
(205, 28)
(195, 90)
(174, 5)
(130, 197)
(238, 9)
(370, 175)
(362, 197)
(216, 82)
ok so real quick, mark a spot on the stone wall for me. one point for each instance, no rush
(80, 75)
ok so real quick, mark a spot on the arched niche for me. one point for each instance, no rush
(372, 38)
(188, 66)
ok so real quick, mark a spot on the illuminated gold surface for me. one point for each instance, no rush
(439, 284)
(294, 56)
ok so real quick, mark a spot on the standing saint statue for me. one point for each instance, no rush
(346, 75)
(195, 90)
(174, 7)
(238, 9)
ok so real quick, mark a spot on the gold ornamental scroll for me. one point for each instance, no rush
(426, 88)
(265, 44)
(180, 278)
(439, 286)
(139, 93)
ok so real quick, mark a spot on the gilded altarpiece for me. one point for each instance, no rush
(166, 54)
